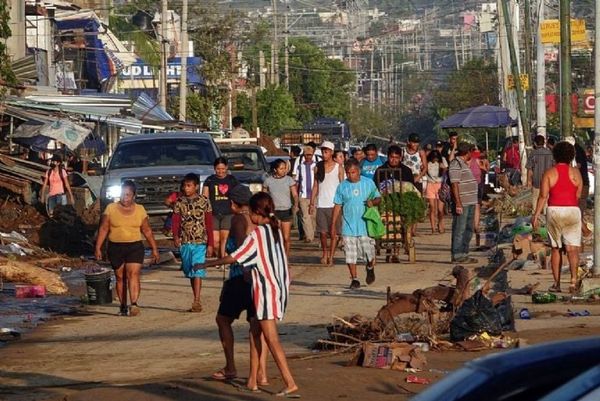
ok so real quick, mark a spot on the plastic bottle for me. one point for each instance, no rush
(543, 298)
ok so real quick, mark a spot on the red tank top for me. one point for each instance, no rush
(564, 192)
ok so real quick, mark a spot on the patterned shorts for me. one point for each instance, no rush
(359, 248)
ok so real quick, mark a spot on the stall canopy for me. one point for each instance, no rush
(480, 117)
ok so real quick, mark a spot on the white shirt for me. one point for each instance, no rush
(328, 187)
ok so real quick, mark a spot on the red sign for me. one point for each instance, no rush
(589, 103)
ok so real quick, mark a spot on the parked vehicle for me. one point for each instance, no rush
(248, 164)
(157, 163)
(556, 371)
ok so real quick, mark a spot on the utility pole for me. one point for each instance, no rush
(596, 267)
(540, 80)
(528, 60)
(275, 46)
(254, 112)
(163, 55)
(287, 52)
(371, 89)
(566, 127)
(184, 55)
(261, 66)
(515, 72)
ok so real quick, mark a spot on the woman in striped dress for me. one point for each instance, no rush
(263, 252)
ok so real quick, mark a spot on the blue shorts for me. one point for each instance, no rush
(192, 254)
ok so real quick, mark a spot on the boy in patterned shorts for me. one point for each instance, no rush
(192, 233)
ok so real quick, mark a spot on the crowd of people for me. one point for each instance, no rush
(326, 192)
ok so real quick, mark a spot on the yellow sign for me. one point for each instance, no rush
(551, 31)
(524, 78)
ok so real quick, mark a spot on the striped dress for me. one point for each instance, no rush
(270, 276)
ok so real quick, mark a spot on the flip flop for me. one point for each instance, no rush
(288, 394)
(220, 375)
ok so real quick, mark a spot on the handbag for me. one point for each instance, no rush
(444, 192)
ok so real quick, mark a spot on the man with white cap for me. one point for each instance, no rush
(328, 175)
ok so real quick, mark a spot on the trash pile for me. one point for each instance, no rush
(17, 217)
(25, 263)
(471, 315)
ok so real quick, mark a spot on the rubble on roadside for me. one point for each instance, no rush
(473, 314)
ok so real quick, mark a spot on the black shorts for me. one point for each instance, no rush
(284, 215)
(236, 296)
(480, 193)
(125, 252)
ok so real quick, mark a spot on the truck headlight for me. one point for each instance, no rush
(255, 187)
(113, 192)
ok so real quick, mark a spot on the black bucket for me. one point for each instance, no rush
(99, 289)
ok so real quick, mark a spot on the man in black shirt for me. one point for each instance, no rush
(393, 168)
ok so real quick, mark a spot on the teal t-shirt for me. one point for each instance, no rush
(352, 197)
(367, 168)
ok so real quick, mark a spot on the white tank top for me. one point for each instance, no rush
(328, 187)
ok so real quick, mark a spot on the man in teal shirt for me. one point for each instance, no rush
(352, 197)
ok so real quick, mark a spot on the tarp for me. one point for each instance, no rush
(106, 56)
(64, 131)
(480, 117)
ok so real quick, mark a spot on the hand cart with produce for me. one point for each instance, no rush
(401, 207)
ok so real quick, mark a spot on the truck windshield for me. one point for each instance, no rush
(243, 159)
(163, 152)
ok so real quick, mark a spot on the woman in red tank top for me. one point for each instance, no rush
(561, 186)
(564, 192)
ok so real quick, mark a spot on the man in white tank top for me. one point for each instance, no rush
(328, 176)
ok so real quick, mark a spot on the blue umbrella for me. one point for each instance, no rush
(480, 117)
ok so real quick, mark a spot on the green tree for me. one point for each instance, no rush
(215, 35)
(366, 123)
(319, 85)
(276, 110)
(6, 72)
(476, 83)
(243, 109)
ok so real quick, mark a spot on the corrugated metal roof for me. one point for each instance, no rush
(146, 109)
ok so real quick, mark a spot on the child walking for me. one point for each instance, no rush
(283, 190)
(263, 253)
(192, 233)
(352, 197)
(236, 295)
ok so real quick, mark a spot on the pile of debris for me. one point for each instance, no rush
(15, 216)
(22, 262)
(472, 314)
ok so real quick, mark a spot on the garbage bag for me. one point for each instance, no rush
(505, 311)
(375, 227)
(476, 315)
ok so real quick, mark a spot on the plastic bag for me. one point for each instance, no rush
(476, 315)
(375, 227)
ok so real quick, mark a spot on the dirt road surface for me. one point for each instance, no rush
(167, 353)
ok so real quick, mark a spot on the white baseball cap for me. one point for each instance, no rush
(328, 145)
